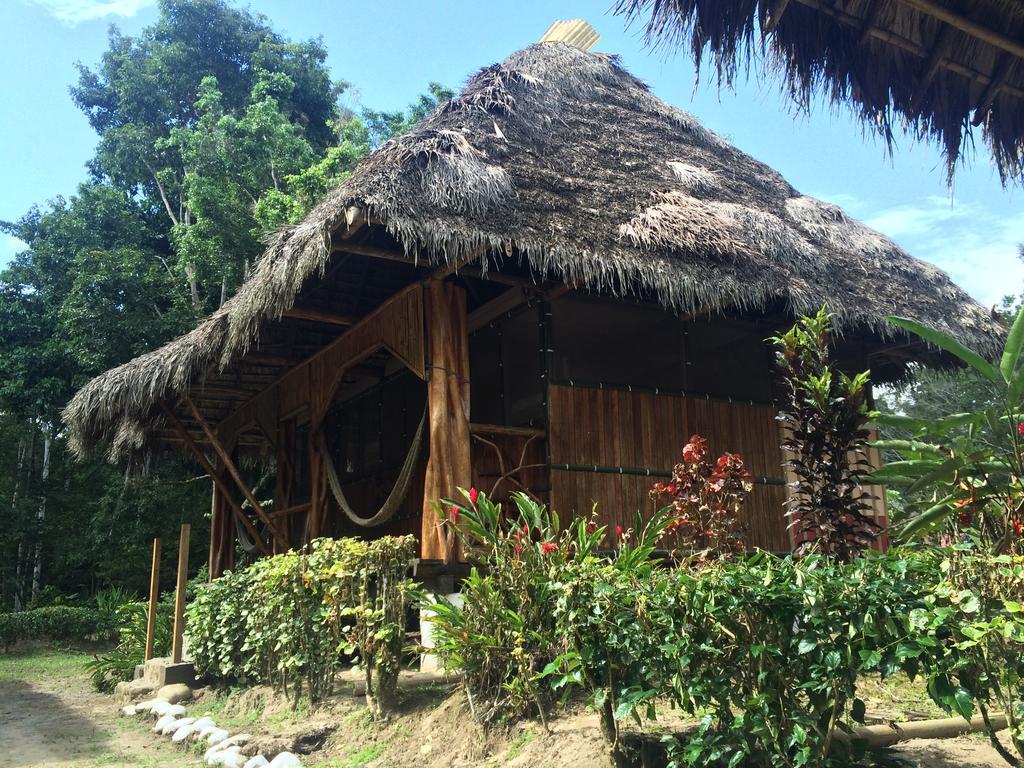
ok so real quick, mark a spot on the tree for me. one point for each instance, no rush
(201, 61)
(213, 130)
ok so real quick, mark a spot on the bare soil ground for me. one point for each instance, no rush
(50, 716)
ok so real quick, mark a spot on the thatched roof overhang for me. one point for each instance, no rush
(560, 163)
(942, 68)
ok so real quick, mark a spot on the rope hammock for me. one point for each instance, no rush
(398, 492)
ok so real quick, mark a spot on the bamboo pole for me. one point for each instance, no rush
(232, 470)
(179, 594)
(215, 476)
(154, 596)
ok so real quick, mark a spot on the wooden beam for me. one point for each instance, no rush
(775, 16)
(1002, 74)
(215, 476)
(232, 470)
(314, 315)
(154, 598)
(179, 595)
(964, 24)
(932, 65)
(870, 20)
(387, 254)
(907, 45)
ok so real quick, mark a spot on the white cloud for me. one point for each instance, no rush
(977, 247)
(10, 247)
(72, 12)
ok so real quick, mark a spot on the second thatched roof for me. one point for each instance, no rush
(563, 160)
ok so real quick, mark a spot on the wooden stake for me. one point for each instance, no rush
(179, 594)
(154, 596)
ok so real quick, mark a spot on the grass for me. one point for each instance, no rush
(516, 747)
(42, 664)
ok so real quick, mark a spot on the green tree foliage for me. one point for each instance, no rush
(213, 130)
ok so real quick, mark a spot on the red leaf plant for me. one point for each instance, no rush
(708, 499)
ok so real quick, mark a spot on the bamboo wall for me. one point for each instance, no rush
(638, 430)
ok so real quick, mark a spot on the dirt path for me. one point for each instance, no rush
(50, 716)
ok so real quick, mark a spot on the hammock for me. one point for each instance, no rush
(398, 492)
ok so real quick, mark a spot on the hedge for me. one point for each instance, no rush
(58, 623)
(291, 620)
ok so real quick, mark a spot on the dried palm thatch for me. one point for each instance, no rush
(939, 70)
(563, 160)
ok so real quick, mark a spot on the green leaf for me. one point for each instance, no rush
(806, 646)
(963, 702)
(949, 344)
(925, 521)
(1013, 348)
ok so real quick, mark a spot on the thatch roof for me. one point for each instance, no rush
(942, 68)
(562, 160)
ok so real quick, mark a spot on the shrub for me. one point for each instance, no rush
(57, 623)
(504, 635)
(970, 640)
(130, 620)
(764, 651)
(707, 500)
(825, 413)
(286, 620)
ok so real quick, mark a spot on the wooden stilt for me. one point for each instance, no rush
(179, 594)
(449, 466)
(154, 597)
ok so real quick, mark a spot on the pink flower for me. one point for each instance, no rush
(473, 494)
(455, 513)
(548, 547)
(1020, 428)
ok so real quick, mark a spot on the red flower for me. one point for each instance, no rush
(1020, 428)
(965, 519)
(455, 513)
(1018, 527)
(618, 531)
(548, 547)
(473, 494)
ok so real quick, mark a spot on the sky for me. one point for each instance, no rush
(390, 49)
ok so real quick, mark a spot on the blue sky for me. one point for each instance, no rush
(390, 49)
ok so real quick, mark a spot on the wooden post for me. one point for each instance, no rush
(154, 597)
(449, 466)
(179, 594)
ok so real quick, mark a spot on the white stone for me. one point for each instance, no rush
(160, 708)
(145, 706)
(163, 722)
(128, 711)
(185, 728)
(203, 723)
(172, 726)
(175, 709)
(216, 736)
(285, 760)
(230, 757)
(256, 762)
(205, 731)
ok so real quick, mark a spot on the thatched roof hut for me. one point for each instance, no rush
(560, 165)
(941, 67)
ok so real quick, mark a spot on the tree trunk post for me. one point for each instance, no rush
(179, 595)
(154, 596)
